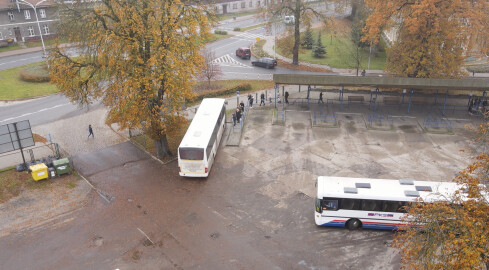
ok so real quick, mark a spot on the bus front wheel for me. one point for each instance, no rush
(353, 224)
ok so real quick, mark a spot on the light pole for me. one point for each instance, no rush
(34, 7)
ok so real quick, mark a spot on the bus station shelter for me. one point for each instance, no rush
(409, 87)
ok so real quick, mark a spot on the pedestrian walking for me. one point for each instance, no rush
(90, 131)
(320, 98)
(270, 98)
(251, 102)
(249, 99)
(234, 119)
(238, 114)
(363, 73)
(286, 97)
(262, 99)
(241, 107)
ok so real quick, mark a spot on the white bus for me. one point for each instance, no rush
(372, 203)
(198, 148)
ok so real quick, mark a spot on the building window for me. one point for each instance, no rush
(251, 4)
(11, 15)
(243, 5)
(27, 14)
(45, 29)
(235, 6)
(42, 13)
(31, 31)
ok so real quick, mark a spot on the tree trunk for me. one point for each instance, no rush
(297, 34)
(162, 148)
(354, 7)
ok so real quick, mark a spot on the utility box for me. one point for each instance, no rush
(39, 171)
(62, 166)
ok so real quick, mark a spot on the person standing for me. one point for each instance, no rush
(286, 97)
(238, 114)
(262, 99)
(234, 119)
(241, 107)
(320, 98)
(363, 73)
(90, 131)
(251, 101)
(270, 98)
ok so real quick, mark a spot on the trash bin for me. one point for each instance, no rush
(62, 166)
(39, 171)
(51, 172)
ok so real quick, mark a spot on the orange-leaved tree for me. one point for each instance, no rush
(140, 58)
(455, 231)
(432, 35)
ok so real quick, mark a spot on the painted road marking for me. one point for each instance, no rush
(227, 60)
(31, 113)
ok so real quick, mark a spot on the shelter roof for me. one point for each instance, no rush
(474, 84)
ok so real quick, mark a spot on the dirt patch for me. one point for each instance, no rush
(39, 202)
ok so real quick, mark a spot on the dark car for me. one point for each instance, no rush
(243, 53)
(265, 62)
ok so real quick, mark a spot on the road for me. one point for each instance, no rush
(51, 108)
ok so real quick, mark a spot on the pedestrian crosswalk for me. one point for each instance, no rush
(247, 36)
(229, 61)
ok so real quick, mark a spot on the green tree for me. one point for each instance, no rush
(319, 50)
(139, 57)
(307, 39)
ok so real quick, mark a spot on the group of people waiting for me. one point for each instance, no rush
(238, 113)
(477, 105)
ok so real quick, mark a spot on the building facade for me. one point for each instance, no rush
(226, 6)
(19, 23)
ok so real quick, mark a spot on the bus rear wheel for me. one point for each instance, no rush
(353, 224)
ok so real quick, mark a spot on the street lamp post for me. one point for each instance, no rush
(34, 7)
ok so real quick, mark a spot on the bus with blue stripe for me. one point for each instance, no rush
(372, 203)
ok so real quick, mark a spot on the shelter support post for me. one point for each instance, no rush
(410, 97)
(444, 103)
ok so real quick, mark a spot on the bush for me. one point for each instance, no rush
(478, 68)
(36, 73)
(220, 32)
(230, 91)
(237, 29)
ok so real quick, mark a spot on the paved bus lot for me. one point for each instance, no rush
(254, 211)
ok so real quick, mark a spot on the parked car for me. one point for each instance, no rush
(289, 20)
(243, 53)
(265, 62)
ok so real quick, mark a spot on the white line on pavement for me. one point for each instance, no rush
(16, 61)
(27, 114)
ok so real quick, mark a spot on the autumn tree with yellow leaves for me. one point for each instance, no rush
(139, 57)
(433, 36)
(455, 232)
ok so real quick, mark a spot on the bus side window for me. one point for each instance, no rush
(350, 204)
(390, 206)
(371, 205)
(331, 205)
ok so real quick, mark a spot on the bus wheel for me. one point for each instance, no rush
(353, 224)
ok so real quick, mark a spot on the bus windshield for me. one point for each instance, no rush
(191, 153)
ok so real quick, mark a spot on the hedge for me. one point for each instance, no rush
(37, 73)
(220, 32)
(230, 91)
